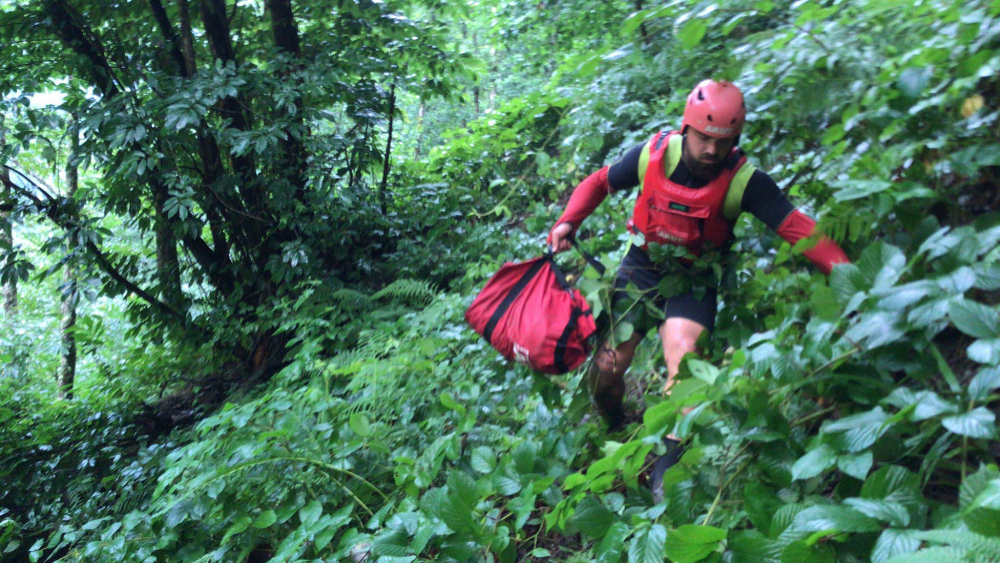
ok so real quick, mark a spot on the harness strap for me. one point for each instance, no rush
(674, 150)
(644, 158)
(563, 342)
(673, 157)
(733, 204)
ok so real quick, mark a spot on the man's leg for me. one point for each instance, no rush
(679, 337)
(607, 378)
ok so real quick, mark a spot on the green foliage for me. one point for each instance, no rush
(848, 419)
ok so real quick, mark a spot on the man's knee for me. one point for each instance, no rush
(678, 346)
(680, 337)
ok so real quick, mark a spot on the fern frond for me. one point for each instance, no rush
(932, 555)
(412, 291)
(976, 544)
(351, 298)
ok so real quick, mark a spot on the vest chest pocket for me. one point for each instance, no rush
(673, 222)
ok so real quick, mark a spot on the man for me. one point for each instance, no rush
(695, 183)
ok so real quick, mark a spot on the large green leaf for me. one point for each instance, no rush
(989, 497)
(913, 81)
(861, 430)
(752, 547)
(985, 351)
(981, 520)
(977, 423)
(882, 264)
(648, 545)
(847, 190)
(931, 555)
(457, 509)
(783, 518)
(393, 543)
(802, 552)
(592, 518)
(611, 547)
(266, 519)
(483, 459)
(310, 513)
(691, 543)
(885, 510)
(896, 484)
(984, 382)
(930, 404)
(692, 32)
(760, 503)
(856, 465)
(831, 518)
(814, 463)
(892, 543)
(975, 319)
(975, 484)
(360, 424)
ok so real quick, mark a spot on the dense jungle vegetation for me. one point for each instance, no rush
(237, 239)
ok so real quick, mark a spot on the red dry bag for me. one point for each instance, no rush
(531, 314)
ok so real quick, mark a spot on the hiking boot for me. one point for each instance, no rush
(622, 422)
(669, 459)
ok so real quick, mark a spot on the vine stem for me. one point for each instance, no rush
(722, 489)
(814, 415)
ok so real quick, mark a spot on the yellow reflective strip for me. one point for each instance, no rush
(674, 150)
(733, 204)
(643, 164)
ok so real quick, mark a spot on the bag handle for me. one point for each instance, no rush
(560, 277)
(594, 263)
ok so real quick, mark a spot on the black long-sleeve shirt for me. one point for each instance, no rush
(763, 198)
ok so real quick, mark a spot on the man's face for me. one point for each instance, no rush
(704, 155)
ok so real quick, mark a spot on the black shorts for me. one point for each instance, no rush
(695, 301)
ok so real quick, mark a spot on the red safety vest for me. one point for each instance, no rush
(669, 213)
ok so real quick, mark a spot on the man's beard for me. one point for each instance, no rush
(705, 171)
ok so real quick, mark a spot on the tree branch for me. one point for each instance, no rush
(64, 19)
(160, 15)
(113, 272)
(51, 209)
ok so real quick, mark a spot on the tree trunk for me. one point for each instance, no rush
(494, 72)
(286, 38)
(388, 153)
(420, 129)
(475, 87)
(642, 27)
(67, 367)
(168, 271)
(9, 289)
(187, 38)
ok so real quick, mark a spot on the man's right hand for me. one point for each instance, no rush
(560, 237)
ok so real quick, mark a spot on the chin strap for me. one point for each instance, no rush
(825, 255)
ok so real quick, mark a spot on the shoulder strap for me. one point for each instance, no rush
(674, 150)
(644, 158)
(733, 204)
(673, 156)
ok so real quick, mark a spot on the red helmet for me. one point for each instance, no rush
(716, 109)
